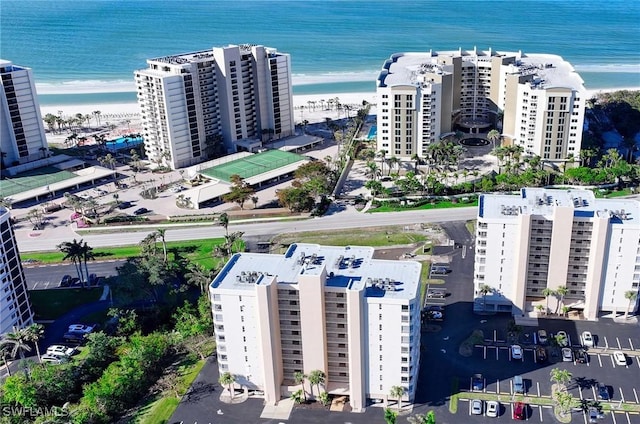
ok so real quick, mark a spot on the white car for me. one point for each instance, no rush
(493, 408)
(80, 328)
(567, 354)
(476, 407)
(52, 359)
(60, 350)
(587, 339)
(516, 352)
(620, 358)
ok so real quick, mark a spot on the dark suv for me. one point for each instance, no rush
(65, 281)
(581, 356)
(603, 392)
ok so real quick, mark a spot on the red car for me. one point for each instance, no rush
(520, 411)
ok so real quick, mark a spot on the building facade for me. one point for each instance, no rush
(536, 101)
(333, 309)
(15, 308)
(22, 135)
(556, 238)
(203, 104)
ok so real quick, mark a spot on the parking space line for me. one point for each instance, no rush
(613, 363)
(621, 394)
(485, 352)
(628, 418)
(538, 387)
(498, 386)
(631, 344)
(618, 340)
(613, 415)
(497, 356)
(606, 343)
(635, 394)
(540, 412)
(580, 392)
(600, 360)
(584, 416)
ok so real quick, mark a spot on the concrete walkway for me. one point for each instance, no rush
(281, 411)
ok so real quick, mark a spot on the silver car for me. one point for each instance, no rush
(477, 407)
(493, 408)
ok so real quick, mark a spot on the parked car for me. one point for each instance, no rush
(542, 337)
(518, 384)
(60, 350)
(75, 281)
(140, 211)
(52, 359)
(593, 415)
(603, 392)
(587, 339)
(516, 352)
(541, 354)
(493, 408)
(92, 280)
(477, 382)
(477, 406)
(620, 358)
(436, 293)
(567, 354)
(581, 356)
(81, 328)
(435, 315)
(124, 205)
(65, 281)
(75, 337)
(440, 270)
(562, 339)
(520, 411)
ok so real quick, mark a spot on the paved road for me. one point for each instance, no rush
(343, 220)
(48, 276)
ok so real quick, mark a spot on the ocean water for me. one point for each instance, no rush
(85, 51)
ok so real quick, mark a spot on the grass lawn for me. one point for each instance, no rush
(615, 193)
(199, 251)
(160, 408)
(375, 237)
(51, 304)
(445, 204)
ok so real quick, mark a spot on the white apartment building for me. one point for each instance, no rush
(209, 103)
(15, 308)
(547, 238)
(536, 101)
(22, 136)
(334, 309)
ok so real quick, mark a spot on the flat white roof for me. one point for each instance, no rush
(348, 268)
(541, 201)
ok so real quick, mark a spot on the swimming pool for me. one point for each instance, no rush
(373, 132)
(123, 142)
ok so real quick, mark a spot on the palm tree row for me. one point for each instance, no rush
(78, 252)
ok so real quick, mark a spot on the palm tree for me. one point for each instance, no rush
(34, 334)
(484, 290)
(86, 253)
(397, 392)
(160, 233)
(372, 172)
(416, 159)
(394, 162)
(546, 293)
(227, 379)
(562, 292)
(297, 397)
(382, 154)
(198, 276)
(223, 221)
(18, 340)
(316, 378)
(631, 296)
(73, 252)
(4, 352)
(540, 308)
(493, 136)
(560, 376)
(299, 378)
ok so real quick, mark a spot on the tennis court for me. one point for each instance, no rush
(30, 180)
(253, 165)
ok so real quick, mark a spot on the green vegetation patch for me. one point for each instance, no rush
(466, 348)
(199, 251)
(453, 400)
(376, 236)
(443, 204)
(53, 303)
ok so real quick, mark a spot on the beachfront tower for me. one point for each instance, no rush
(550, 238)
(332, 309)
(22, 136)
(535, 101)
(15, 308)
(205, 104)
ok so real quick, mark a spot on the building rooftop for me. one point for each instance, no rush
(350, 268)
(549, 70)
(540, 201)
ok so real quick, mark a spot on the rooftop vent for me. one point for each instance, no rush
(250, 277)
(386, 284)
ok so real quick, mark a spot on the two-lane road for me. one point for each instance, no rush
(255, 229)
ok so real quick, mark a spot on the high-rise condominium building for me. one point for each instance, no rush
(15, 309)
(556, 238)
(22, 136)
(536, 101)
(333, 309)
(197, 105)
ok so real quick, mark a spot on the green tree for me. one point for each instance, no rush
(227, 379)
(161, 234)
(390, 416)
(73, 251)
(240, 191)
(18, 390)
(428, 418)
(35, 218)
(564, 401)
(560, 376)
(199, 276)
(19, 342)
(223, 221)
(34, 334)
(375, 187)
(397, 392)
(316, 378)
(297, 397)
(546, 292)
(127, 320)
(494, 136)
(299, 378)
(484, 290)
(561, 292)
(382, 154)
(324, 398)
(296, 199)
(631, 296)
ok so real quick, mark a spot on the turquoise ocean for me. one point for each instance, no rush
(85, 51)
